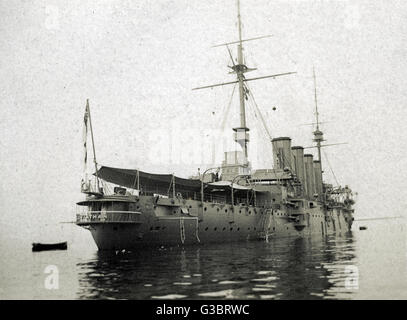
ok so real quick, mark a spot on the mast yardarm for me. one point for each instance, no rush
(241, 135)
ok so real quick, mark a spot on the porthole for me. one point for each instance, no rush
(231, 229)
(238, 229)
(205, 209)
(217, 209)
(248, 228)
(226, 210)
(206, 229)
(254, 228)
(151, 228)
(214, 229)
(224, 228)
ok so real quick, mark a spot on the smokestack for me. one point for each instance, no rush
(318, 178)
(282, 153)
(309, 175)
(298, 165)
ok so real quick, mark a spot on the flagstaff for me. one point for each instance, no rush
(87, 115)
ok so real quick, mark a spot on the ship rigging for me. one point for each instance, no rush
(241, 135)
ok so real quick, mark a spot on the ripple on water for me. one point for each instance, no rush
(257, 289)
(259, 285)
(217, 294)
(169, 296)
(316, 294)
(264, 279)
(264, 272)
(229, 282)
(182, 283)
(94, 274)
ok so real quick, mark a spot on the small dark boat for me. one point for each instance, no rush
(362, 228)
(50, 246)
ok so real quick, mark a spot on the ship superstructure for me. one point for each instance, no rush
(231, 202)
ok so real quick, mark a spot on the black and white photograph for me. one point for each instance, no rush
(214, 151)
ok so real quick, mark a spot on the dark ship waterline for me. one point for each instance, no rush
(234, 204)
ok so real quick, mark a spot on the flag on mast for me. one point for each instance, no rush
(85, 183)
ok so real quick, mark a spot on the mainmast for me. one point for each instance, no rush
(318, 138)
(318, 135)
(241, 134)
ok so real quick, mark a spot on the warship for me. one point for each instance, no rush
(230, 202)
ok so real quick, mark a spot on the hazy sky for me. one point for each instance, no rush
(137, 62)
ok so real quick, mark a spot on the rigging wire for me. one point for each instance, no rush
(249, 91)
(226, 112)
(265, 125)
(106, 187)
(253, 110)
(329, 165)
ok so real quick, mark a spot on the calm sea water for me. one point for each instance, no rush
(370, 264)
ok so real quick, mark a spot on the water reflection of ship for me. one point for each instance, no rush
(290, 268)
(315, 269)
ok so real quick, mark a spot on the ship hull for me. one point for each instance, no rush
(168, 224)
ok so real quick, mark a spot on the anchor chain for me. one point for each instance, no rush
(197, 231)
(182, 230)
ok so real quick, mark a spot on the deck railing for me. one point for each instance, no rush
(221, 199)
